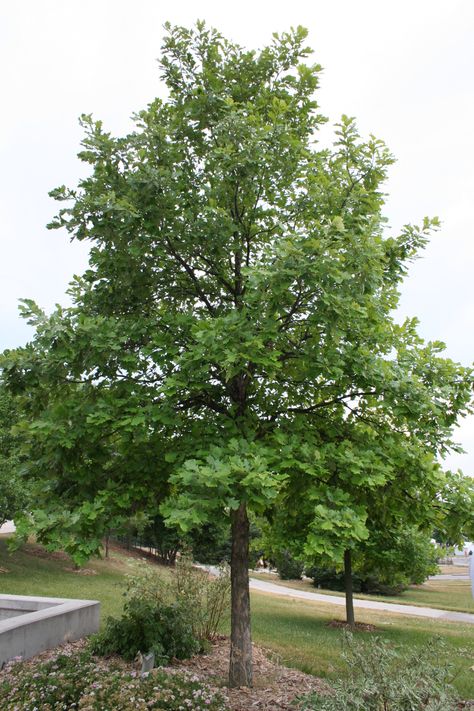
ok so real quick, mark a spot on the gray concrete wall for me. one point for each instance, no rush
(53, 622)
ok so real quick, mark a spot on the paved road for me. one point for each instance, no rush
(449, 576)
(412, 610)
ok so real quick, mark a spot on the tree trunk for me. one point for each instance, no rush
(241, 667)
(350, 619)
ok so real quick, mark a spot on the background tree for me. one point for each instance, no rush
(13, 487)
(377, 528)
(456, 525)
(240, 286)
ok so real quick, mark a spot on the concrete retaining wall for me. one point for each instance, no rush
(35, 624)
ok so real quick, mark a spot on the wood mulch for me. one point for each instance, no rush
(275, 687)
(359, 626)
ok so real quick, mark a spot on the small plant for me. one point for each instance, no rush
(383, 678)
(77, 682)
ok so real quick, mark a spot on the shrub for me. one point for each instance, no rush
(373, 586)
(331, 579)
(204, 599)
(171, 617)
(77, 682)
(398, 558)
(288, 568)
(383, 677)
(147, 626)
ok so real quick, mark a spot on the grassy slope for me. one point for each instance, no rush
(295, 630)
(30, 574)
(447, 595)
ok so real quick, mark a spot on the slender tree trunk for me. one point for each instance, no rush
(350, 619)
(241, 667)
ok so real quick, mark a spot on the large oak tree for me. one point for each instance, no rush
(238, 296)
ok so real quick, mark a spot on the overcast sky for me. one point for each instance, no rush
(404, 69)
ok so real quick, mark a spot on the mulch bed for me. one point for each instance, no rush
(359, 626)
(275, 686)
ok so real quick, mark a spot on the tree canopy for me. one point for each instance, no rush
(236, 314)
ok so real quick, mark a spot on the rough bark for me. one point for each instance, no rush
(240, 668)
(350, 618)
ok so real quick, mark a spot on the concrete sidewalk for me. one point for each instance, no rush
(412, 610)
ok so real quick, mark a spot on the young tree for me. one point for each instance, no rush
(240, 286)
(370, 477)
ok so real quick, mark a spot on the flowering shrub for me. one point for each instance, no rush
(76, 682)
(57, 684)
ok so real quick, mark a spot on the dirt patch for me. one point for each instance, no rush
(359, 626)
(81, 571)
(275, 686)
(4, 570)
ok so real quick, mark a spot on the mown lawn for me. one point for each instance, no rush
(295, 630)
(455, 569)
(445, 594)
(29, 572)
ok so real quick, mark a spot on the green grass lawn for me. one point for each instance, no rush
(445, 594)
(295, 630)
(32, 574)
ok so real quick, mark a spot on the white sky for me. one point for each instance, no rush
(404, 69)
